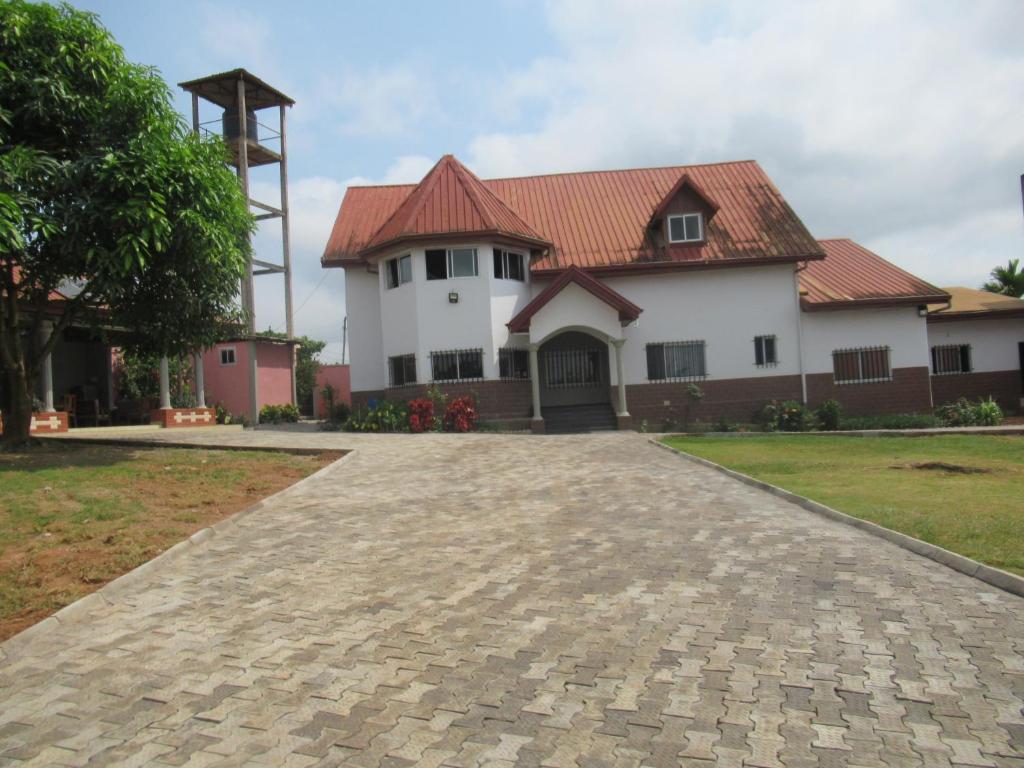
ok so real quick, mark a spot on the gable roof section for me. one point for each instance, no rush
(851, 275)
(598, 220)
(685, 182)
(968, 303)
(628, 311)
(450, 200)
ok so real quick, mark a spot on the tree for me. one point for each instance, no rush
(307, 365)
(106, 196)
(1008, 280)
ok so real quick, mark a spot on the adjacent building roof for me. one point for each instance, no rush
(968, 303)
(450, 200)
(596, 220)
(628, 311)
(851, 276)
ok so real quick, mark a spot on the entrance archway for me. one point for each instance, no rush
(573, 370)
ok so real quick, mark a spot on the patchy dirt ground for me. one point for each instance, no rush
(73, 517)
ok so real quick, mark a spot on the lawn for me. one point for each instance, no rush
(73, 517)
(925, 487)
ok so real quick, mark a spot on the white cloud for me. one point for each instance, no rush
(379, 102)
(875, 119)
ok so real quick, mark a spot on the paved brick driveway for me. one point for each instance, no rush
(557, 601)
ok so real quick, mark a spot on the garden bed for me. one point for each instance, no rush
(77, 516)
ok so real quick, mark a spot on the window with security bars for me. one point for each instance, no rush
(402, 370)
(861, 365)
(951, 358)
(676, 361)
(457, 365)
(513, 363)
(569, 368)
(764, 351)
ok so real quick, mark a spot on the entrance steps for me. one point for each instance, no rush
(566, 419)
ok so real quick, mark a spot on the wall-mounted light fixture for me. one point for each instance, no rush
(453, 297)
(922, 310)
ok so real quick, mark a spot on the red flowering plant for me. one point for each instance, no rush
(421, 415)
(461, 415)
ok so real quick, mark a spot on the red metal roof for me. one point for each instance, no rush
(851, 275)
(967, 303)
(596, 220)
(450, 199)
(628, 311)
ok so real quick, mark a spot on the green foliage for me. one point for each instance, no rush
(722, 425)
(828, 415)
(222, 414)
(964, 413)
(383, 416)
(890, 421)
(786, 416)
(307, 365)
(137, 375)
(286, 413)
(1008, 280)
(105, 194)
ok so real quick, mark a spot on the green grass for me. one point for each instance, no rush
(977, 515)
(73, 517)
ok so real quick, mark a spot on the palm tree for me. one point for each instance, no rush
(1008, 280)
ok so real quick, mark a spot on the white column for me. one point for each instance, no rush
(44, 336)
(535, 382)
(621, 376)
(200, 381)
(165, 384)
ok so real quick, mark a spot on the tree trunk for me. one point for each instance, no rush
(18, 419)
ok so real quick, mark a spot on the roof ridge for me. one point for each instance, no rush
(621, 170)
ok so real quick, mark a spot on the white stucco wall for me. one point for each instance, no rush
(365, 344)
(993, 341)
(899, 328)
(577, 308)
(726, 308)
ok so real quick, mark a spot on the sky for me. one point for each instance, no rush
(898, 124)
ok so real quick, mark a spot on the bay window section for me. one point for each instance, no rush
(445, 263)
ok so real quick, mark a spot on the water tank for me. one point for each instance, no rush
(230, 123)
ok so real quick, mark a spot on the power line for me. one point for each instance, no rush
(322, 278)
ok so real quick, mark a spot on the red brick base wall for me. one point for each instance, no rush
(908, 392)
(734, 399)
(496, 400)
(49, 422)
(184, 417)
(1004, 386)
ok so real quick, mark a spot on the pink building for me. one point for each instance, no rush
(337, 376)
(226, 373)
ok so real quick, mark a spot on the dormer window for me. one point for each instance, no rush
(686, 228)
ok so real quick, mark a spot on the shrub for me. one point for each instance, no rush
(828, 415)
(890, 421)
(277, 414)
(722, 425)
(964, 413)
(382, 416)
(339, 413)
(787, 416)
(460, 415)
(421, 415)
(222, 414)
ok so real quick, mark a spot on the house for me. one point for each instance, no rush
(226, 373)
(336, 377)
(976, 343)
(599, 298)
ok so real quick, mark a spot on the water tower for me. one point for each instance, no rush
(240, 96)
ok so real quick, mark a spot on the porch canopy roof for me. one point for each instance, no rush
(627, 310)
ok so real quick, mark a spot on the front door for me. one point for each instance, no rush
(573, 370)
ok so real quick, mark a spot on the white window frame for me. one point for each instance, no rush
(698, 344)
(684, 216)
(398, 268)
(449, 263)
(505, 253)
(234, 355)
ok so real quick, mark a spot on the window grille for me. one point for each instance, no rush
(513, 363)
(861, 365)
(402, 370)
(457, 365)
(951, 358)
(677, 361)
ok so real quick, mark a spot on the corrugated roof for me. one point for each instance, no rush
(971, 302)
(600, 219)
(850, 274)
(449, 200)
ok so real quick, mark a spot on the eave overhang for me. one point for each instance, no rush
(628, 311)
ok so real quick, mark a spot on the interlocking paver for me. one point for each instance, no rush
(441, 600)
